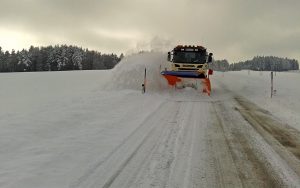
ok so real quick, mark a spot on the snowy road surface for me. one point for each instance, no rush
(64, 130)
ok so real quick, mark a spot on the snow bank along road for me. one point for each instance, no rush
(78, 135)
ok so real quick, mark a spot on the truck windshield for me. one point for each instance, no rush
(189, 57)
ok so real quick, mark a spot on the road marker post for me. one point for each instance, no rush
(144, 84)
(272, 86)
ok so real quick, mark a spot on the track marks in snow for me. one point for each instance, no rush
(252, 156)
(237, 164)
(283, 138)
(187, 166)
(164, 151)
(185, 144)
(149, 131)
(164, 158)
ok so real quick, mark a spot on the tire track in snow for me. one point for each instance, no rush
(167, 158)
(283, 138)
(247, 167)
(275, 145)
(186, 165)
(105, 172)
(93, 169)
(151, 165)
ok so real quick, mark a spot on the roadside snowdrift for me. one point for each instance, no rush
(129, 73)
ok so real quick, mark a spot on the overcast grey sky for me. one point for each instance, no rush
(231, 29)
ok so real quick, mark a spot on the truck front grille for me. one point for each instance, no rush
(192, 69)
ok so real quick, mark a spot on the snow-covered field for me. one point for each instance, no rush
(96, 129)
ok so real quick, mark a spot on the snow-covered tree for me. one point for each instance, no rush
(77, 58)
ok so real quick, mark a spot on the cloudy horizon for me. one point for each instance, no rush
(235, 30)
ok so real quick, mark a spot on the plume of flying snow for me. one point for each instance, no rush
(129, 73)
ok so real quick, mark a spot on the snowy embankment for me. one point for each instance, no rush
(96, 129)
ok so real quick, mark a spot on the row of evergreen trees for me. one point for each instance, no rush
(219, 65)
(259, 63)
(267, 63)
(55, 58)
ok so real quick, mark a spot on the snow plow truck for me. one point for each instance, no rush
(188, 66)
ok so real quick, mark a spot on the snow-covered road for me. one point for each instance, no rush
(65, 129)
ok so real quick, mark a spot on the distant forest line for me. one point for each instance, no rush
(63, 58)
(259, 63)
(55, 58)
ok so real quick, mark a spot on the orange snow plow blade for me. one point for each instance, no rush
(206, 86)
(172, 79)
